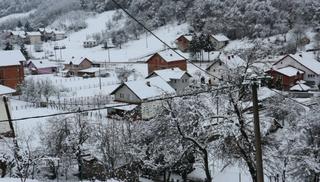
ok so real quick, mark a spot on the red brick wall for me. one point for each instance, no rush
(157, 63)
(11, 76)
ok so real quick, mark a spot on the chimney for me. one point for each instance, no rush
(148, 83)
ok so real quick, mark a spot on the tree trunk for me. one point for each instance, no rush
(206, 166)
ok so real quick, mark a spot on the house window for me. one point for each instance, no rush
(311, 76)
(121, 95)
(214, 70)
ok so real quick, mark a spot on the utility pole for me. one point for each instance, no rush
(100, 78)
(257, 134)
(5, 101)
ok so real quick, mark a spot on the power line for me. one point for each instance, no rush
(122, 105)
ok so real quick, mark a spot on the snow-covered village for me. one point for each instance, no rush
(159, 91)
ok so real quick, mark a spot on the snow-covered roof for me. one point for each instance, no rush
(33, 33)
(90, 40)
(231, 61)
(43, 63)
(77, 60)
(90, 70)
(6, 90)
(300, 87)
(188, 37)
(170, 74)
(170, 56)
(126, 108)
(289, 71)
(220, 37)
(9, 58)
(20, 33)
(149, 88)
(307, 60)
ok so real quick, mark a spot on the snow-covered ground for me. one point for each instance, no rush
(131, 51)
(15, 16)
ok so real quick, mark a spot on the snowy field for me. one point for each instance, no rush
(131, 51)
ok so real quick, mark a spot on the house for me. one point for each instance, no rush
(284, 78)
(11, 68)
(46, 34)
(58, 35)
(93, 72)
(17, 37)
(175, 77)
(42, 66)
(77, 64)
(90, 43)
(302, 61)
(219, 41)
(183, 42)
(33, 38)
(141, 93)
(222, 65)
(164, 60)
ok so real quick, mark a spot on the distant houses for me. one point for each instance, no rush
(33, 38)
(219, 41)
(17, 37)
(183, 42)
(79, 64)
(90, 43)
(164, 60)
(42, 66)
(11, 68)
(50, 34)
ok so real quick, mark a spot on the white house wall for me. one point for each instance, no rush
(218, 71)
